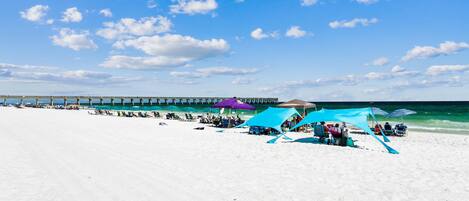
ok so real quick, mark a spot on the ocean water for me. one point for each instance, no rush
(441, 117)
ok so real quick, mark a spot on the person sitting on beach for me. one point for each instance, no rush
(378, 129)
(344, 134)
(320, 131)
(388, 129)
(335, 133)
(387, 126)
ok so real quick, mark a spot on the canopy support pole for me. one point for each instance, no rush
(386, 139)
(274, 140)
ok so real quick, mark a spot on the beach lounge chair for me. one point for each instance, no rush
(388, 129)
(400, 130)
(256, 130)
(320, 132)
(224, 123)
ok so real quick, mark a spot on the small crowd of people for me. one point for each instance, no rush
(398, 130)
(221, 121)
(336, 134)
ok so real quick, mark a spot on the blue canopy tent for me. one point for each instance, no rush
(272, 117)
(357, 117)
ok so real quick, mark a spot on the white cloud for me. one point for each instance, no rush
(242, 81)
(72, 15)
(308, 2)
(396, 72)
(142, 63)
(443, 69)
(375, 76)
(193, 7)
(352, 23)
(106, 12)
(73, 40)
(295, 32)
(129, 27)
(259, 34)
(35, 13)
(446, 48)
(50, 21)
(170, 50)
(428, 83)
(381, 61)
(367, 2)
(25, 67)
(397, 69)
(151, 4)
(174, 45)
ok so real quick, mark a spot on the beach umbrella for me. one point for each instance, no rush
(233, 103)
(379, 111)
(401, 113)
(295, 103)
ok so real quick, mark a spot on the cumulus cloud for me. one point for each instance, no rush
(443, 69)
(129, 27)
(259, 34)
(106, 12)
(35, 14)
(169, 50)
(396, 72)
(174, 45)
(381, 61)
(71, 15)
(143, 63)
(446, 48)
(308, 2)
(74, 40)
(367, 2)
(295, 32)
(352, 23)
(192, 7)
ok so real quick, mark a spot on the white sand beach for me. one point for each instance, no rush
(70, 155)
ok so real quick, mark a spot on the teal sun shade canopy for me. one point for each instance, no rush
(357, 117)
(272, 117)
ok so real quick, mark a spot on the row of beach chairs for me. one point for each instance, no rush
(151, 114)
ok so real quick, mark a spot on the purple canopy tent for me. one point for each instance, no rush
(233, 103)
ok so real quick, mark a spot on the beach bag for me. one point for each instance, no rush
(350, 142)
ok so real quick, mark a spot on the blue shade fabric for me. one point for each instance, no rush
(272, 117)
(357, 117)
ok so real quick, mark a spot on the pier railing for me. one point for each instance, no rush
(125, 100)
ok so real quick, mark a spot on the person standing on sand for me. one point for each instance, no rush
(344, 132)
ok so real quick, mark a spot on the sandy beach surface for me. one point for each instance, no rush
(70, 155)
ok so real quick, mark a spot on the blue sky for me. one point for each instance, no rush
(308, 49)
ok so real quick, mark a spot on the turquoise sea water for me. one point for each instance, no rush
(444, 117)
